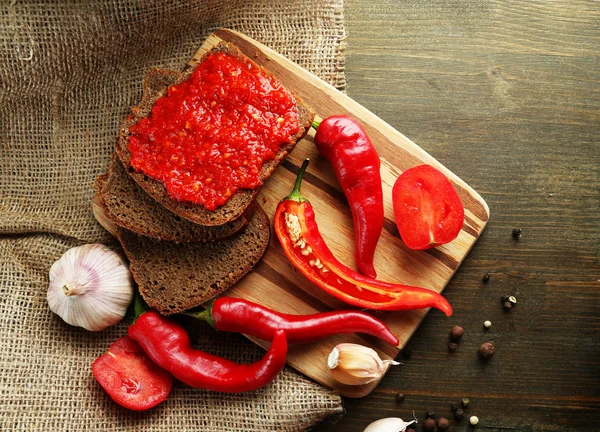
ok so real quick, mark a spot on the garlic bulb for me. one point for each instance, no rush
(390, 424)
(90, 287)
(355, 364)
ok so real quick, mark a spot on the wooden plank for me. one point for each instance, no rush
(275, 283)
(506, 94)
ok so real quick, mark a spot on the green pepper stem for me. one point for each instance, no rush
(204, 315)
(139, 306)
(315, 124)
(296, 195)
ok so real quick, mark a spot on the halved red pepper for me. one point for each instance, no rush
(299, 235)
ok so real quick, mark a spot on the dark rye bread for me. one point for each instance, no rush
(173, 277)
(126, 204)
(155, 85)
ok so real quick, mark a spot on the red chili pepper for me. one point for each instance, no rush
(243, 316)
(129, 376)
(299, 235)
(345, 144)
(168, 345)
(427, 209)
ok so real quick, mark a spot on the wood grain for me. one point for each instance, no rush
(507, 95)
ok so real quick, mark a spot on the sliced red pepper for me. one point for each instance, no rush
(299, 235)
(427, 209)
(129, 376)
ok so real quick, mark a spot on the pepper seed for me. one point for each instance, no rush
(452, 347)
(508, 305)
(486, 350)
(516, 233)
(486, 277)
(459, 414)
(457, 332)
(453, 406)
(443, 423)
(399, 397)
(504, 297)
(430, 414)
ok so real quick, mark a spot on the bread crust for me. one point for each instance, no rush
(155, 85)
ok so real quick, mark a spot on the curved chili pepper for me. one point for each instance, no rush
(243, 316)
(345, 144)
(299, 235)
(168, 345)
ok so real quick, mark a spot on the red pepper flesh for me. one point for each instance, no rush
(299, 235)
(427, 209)
(168, 345)
(345, 144)
(242, 316)
(129, 376)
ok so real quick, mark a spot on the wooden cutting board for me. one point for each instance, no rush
(276, 284)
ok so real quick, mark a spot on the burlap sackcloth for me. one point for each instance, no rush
(68, 74)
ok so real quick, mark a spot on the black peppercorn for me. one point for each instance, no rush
(486, 277)
(430, 414)
(399, 397)
(443, 423)
(454, 406)
(517, 232)
(406, 353)
(429, 425)
(457, 332)
(504, 297)
(508, 305)
(459, 414)
(486, 350)
(452, 347)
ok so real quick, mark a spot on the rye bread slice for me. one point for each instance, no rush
(126, 204)
(155, 85)
(173, 277)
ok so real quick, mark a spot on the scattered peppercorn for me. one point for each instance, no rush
(465, 402)
(452, 347)
(512, 299)
(399, 397)
(459, 414)
(474, 420)
(508, 305)
(486, 350)
(504, 297)
(443, 423)
(517, 232)
(430, 414)
(487, 324)
(486, 277)
(457, 332)
(429, 425)
(453, 406)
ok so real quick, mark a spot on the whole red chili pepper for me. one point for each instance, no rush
(345, 144)
(168, 345)
(243, 316)
(299, 235)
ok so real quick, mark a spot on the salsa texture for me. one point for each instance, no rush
(211, 134)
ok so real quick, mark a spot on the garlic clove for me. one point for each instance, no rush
(390, 424)
(354, 364)
(90, 286)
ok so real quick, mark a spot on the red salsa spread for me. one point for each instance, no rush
(211, 134)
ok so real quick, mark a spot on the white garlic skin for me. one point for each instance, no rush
(354, 364)
(390, 424)
(90, 287)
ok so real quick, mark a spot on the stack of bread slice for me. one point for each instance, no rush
(182, 254)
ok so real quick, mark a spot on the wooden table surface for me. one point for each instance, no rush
(506, 94)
